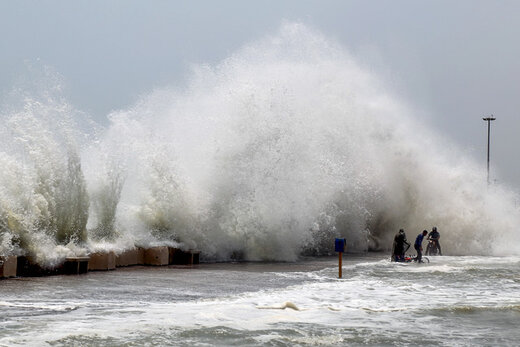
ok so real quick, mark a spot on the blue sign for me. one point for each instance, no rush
(340, 245)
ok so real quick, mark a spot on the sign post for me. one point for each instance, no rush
(339, 246)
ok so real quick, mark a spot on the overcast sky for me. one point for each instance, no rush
(452, 61)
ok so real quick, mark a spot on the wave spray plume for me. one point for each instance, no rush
(273, 153)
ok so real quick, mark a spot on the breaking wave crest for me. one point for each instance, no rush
(270, 154)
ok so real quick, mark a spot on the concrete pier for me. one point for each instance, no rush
(157, 256)
(130, 257)
(195, 257)
(180, 257)
(8, 266)
(102, 261)
(76, 265)
(26, 266)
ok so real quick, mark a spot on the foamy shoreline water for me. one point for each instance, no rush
(451, 301)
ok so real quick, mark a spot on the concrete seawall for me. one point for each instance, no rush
(24, 266)
(8, 266)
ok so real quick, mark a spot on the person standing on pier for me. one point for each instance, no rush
(434, 235)
(418, 245)
(398, 249)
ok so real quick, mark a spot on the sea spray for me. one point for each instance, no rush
(44, 201)
(289, 143)
(106, 180)
(270, 154)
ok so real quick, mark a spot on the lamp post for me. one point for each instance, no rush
(488, 120)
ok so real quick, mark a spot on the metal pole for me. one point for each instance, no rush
(340, 264)
(488, 120)
(489, 132)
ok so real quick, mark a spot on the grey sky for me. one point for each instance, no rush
(453, 61)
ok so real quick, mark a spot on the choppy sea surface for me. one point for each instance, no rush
(451, 301)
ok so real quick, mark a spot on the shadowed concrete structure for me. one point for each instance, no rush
(180, 257)
(102, 261)
(130, 257)
(26, 266)
(156, 256)
(8, 266)
(76, 265)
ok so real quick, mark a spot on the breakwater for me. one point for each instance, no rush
(14, 266)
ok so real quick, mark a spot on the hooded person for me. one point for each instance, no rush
(399, 246)
(434, 235)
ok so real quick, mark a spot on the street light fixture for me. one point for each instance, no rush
(488, 120)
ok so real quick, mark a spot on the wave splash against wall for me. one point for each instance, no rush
(268, 155)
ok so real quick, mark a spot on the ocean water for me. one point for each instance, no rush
(265, 157)
(452, 301)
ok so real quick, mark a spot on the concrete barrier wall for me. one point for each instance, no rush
(156, 256)
(172, 255)
(24, 266)
(130, 257)
(8, 266)
(101, 261)
(180, 257)
(76, 265)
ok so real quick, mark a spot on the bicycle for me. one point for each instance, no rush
(410, 258)
(432, 248)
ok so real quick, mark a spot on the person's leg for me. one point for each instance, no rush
(439, 247)
(419, 255)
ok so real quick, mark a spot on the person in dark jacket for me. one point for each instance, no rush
(399, 248)
(434, 235)
(418, 245)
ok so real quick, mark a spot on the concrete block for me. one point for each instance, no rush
(156, 256)
(8, 266)
(76, 265)
(180, 257)
(195, 257)
(102, 261)
(173, 253)
(26, 266)
(130, 257)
